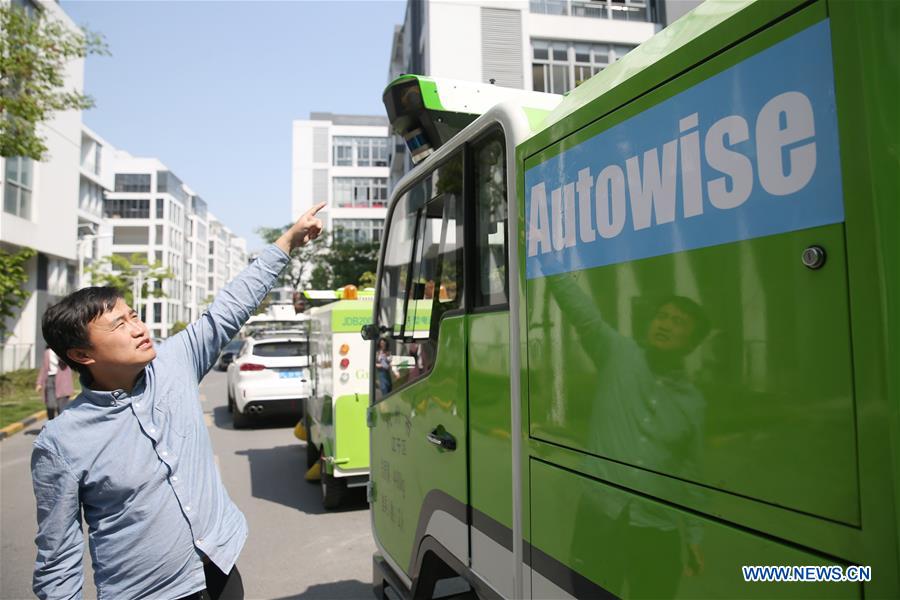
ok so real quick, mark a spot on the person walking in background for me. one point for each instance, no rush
(55, 381)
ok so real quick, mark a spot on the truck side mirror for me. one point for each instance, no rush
(369, 332)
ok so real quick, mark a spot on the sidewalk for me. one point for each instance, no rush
(17, 427)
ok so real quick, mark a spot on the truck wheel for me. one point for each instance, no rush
(230, 401)
(312, 451)
(238, 419)
(333, 489)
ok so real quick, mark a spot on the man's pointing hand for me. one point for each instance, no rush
(307, 228)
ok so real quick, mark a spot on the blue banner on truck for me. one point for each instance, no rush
(749, 152)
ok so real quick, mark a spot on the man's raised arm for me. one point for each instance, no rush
(203, 339)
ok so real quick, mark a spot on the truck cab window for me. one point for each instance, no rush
(421, 276)
(490, 282)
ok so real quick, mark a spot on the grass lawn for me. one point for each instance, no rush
(17, 396)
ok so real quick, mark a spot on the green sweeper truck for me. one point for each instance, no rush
(649, 329)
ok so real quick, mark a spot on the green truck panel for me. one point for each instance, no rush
(637, 547)
(350, 432)
(489, 424)
(754, 412)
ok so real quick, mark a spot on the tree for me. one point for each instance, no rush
(34, 52)
(303, 259)
(120, 272)
(329, 262)
(13, 276)
(177, 326)
(367, 279)
(350, 259)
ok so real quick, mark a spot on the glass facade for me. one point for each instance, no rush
(620, 10)
(361, 151)
(168, 183)
(359, 230)
(360, 192)
(126, 209)
(557, 67)
(132, 182)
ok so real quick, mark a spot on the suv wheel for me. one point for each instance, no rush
(239, 419)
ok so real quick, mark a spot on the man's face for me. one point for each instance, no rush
(671, 329)
(119, 339)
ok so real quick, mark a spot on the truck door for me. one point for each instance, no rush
(419, 411)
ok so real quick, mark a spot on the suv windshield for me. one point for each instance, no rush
(233, 346)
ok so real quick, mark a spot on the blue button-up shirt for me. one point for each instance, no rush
(140, 467)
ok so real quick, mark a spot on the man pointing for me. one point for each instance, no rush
(132, 453)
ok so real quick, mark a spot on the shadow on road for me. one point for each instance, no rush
(276, 475)
(350, 589)
(222, 420)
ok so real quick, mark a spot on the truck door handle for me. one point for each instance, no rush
(441, 438)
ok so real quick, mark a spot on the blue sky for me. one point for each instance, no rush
(211, 88)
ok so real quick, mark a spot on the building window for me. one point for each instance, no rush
(358, 230)
(132, 182)
(168, 183)
(621, 10)
(90, 197)
(361, 151)
(557, 67)
(360, 192)
(18, 186)
(131, 235)
(126, 209)
(343, 152)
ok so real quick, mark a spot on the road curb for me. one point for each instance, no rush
(17, 427)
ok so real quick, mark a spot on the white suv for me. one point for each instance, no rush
(269, 377)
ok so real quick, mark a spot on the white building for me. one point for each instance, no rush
(152, 213)
(237, 255)
(146, 216)
(342, 160)
(218, 255)
(96, 179)
(196, 254)
(40, 211)
(542, 45)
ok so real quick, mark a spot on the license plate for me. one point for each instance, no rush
(289, 374)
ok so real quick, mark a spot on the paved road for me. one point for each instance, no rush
(295, 549)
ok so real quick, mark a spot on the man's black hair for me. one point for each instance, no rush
(65, 324)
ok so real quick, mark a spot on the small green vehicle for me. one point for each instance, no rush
(650, 330)
(335, 415)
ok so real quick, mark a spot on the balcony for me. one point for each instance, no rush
(619, 10)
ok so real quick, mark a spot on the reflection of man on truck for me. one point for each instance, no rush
(646, 413)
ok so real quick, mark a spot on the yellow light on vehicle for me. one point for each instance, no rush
(345, 348)
(350, 292)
